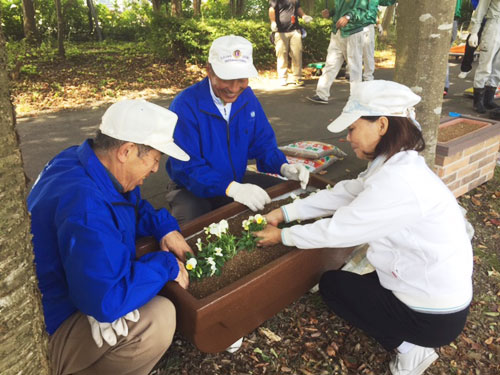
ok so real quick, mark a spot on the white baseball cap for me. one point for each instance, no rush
(144, 123)
(376, 98)
(231, 57)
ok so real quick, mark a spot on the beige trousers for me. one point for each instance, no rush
(73, 351)
(289, 43)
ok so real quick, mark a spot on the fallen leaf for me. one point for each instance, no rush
(331, 351)
(269, 334)
(488, 341)
(476, 201)
(286, 369)
(495, 222)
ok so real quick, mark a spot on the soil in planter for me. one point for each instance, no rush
(450, 132)
(244, 262)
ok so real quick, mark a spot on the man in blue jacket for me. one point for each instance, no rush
(100, 305)
(221, 126)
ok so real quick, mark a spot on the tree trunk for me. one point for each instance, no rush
(423, 41)
(156, 5)
(60, 29)
(197, 8)
(93, 12)
(29, 23)
(308, 6)
(240, 7)
(388, 18)
(23, 339)
(177, 8)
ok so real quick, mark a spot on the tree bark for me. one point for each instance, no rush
(240, 7)
(156, 5)
(177, 8)
(93, 12)
(423, 41)
(60, 29)
(388, 18)
(197, 8)
(23, 338)
(29, 23)
(308, 6)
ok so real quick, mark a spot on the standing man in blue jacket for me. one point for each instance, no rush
(100, 305)
(221, 126)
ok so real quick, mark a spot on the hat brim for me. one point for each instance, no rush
(171, 149)
(225, 71)
(342, 122)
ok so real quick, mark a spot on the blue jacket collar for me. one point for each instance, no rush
(207, 104)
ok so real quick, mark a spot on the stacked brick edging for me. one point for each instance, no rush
(469, 161)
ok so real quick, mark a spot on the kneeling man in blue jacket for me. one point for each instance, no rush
(221, 126)
(100, 305)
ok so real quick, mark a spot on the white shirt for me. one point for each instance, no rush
(224, 109)
(414, 227)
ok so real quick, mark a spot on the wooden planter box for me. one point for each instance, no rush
(469, 160)
(218, 320)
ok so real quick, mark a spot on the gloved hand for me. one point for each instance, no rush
(252, 196)
(109, 331)
(274, 27)
(307, 18)
(473, 40)
(296, 172)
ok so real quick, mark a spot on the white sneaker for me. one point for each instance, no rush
(235, 346)
(463, 75)
(415, 362)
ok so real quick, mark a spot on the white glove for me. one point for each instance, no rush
(307, 18)
(296, 172)
(109, 331)
(274, 27)
(473, 40)
(252, 196)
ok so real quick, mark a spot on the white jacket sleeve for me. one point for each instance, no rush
(386, 205)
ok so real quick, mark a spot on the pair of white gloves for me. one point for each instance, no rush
(108, 332)
(274, 26)
(255, 198)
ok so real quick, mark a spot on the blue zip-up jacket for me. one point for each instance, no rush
(84, 234)
(220, 150)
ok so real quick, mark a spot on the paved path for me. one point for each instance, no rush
(293, 118)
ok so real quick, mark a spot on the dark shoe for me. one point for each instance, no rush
(489, 97)
(317, 99)
(298, 83)
(494, 114)
(478, 100)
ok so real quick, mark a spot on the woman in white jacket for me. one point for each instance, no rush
(418, 297)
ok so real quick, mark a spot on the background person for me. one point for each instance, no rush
(222, 125)
(284, 16)
(350, 30)
(99, 301)
(468, 58)
(419, 294)
(487, 76)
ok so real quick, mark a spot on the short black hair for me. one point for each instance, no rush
(401, 135)
(104, 142)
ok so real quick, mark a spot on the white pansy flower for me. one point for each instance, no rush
(245, 224)
(213, 267)
(218, 251)
(223, 226)
(191, 264)
(259, 219)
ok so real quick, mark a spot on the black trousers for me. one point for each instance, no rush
(185, 206)
(364, 303)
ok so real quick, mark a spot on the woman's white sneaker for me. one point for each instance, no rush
(415, 362)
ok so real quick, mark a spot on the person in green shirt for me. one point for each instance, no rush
(351, 21)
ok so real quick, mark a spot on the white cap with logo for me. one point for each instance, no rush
(142, 122)
(376, 98)
(231, 57)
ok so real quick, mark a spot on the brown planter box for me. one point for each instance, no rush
(469, 160)
(216, 321)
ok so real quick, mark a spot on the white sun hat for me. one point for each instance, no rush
(231, 57)
(376, 98)
(144, 123)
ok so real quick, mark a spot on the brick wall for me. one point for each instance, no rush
(470, 167)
